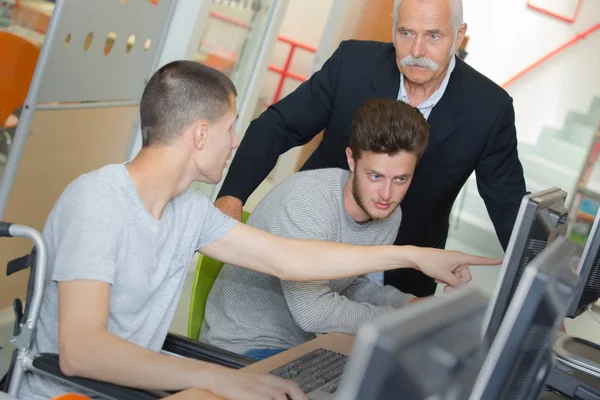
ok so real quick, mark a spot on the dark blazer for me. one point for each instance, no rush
(471, 129)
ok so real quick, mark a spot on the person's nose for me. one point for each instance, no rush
(386, 191)
(417, 49)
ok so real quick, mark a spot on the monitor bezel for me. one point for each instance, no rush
(545, 278)
(383, 335)
(586, 269)
(530, 204)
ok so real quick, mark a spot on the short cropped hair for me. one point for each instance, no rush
(388, 126)
(178, 94)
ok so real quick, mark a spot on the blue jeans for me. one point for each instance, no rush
(261, 354)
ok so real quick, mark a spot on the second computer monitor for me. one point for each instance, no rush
(431, 349)
(588, 289)
(520, 356)
(541, 218)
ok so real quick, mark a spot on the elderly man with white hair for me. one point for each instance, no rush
(471, 123)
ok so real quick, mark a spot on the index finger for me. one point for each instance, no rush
(480, 260)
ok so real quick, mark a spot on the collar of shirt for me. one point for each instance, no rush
(426, 106)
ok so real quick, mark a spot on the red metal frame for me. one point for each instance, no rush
(566, 45)
(284, 72)
(555, 15)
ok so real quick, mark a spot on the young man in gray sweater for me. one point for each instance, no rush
(259, 315)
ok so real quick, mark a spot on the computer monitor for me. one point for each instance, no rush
(588, 289)
(578, 360)
(431, 349)
(520, 357)
(541, 218)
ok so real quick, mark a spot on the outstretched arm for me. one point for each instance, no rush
(306, 260)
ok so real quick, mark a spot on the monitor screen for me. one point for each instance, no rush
(542, 217)
(520, 357)
(431, 349)
(588, 288)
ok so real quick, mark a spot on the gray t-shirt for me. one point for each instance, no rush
(251, 310)
(99, 229)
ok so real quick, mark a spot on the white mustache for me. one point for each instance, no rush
(419, 62)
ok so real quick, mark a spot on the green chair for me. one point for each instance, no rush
(206, 273)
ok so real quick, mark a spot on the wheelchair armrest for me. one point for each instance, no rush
(189, 348)
(47, 364)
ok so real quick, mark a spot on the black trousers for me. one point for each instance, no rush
(411, 281)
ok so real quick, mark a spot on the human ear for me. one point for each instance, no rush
(350, 159)
(200, 134)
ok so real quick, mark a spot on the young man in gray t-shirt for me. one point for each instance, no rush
(258, 315)
(120, 240)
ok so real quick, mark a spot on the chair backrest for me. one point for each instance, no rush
(19, 58)
(204, 278)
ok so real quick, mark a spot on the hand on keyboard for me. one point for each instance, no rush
(320, 370)
(236, 385)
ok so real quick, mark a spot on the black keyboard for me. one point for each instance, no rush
(318, 373)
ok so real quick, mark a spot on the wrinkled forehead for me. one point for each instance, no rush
(425, 14)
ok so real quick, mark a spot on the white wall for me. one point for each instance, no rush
(506, 37)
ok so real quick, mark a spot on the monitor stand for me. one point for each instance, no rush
(578, 351)
(577, 373)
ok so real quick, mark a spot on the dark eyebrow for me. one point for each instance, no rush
(370, 171)
(435, 31)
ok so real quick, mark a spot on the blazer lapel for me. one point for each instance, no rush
(387, 81)
(441, 119)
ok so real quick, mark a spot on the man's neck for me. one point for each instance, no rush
(350, 205)
(158, 177)
(418, 93)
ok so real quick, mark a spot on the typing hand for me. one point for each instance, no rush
(451, 267)
(236, 385)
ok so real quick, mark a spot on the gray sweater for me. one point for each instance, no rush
(251, 310)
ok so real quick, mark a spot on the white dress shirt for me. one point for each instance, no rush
(426, 106)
